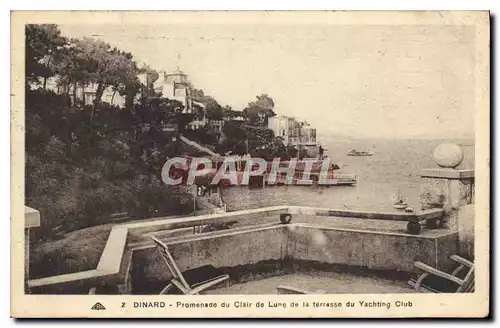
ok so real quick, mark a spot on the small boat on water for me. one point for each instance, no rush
(401, 203)
(355, 152)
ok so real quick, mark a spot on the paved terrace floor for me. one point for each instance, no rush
(334, 283)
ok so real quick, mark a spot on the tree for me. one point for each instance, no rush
(279, 149)
(147, 85)
(158, 110)
(212, 109)
(234, 131)
(79, 172)
(105, 66)
(152, 74)
(265, 102)
(215, 112)
(258, 112)
(71, 68)
(129, 90)
(44, 47)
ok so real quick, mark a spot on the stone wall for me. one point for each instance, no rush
(302, 242)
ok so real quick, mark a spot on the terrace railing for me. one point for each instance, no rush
(111, 261)
(430, 217)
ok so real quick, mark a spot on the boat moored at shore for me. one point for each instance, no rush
(230, 172)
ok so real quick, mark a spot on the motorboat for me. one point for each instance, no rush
(355, 152)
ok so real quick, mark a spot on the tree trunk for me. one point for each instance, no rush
(129, 99)
(83, 93)
(74, 93)
(45, 77)
(97, 100)
(113, 97)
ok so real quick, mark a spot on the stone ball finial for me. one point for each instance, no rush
(448, 155)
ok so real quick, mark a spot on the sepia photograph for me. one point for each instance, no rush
(272, 164)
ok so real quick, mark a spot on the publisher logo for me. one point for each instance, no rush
(97, 307)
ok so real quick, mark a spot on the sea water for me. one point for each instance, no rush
(391, 172)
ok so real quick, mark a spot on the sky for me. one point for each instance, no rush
(377, 81)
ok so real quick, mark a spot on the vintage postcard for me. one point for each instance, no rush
(250, 164)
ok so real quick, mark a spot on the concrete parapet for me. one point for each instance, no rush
(374, 250)
(414, 219)
(110, 271)
(31, 220)
(303, 242)
(466, 231)
(249, 245)
(107, 271)
(162, 224)
(453, 191)
(220, 249)
(447, 173)
(447, 189)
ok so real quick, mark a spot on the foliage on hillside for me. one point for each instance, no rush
(85, 163)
